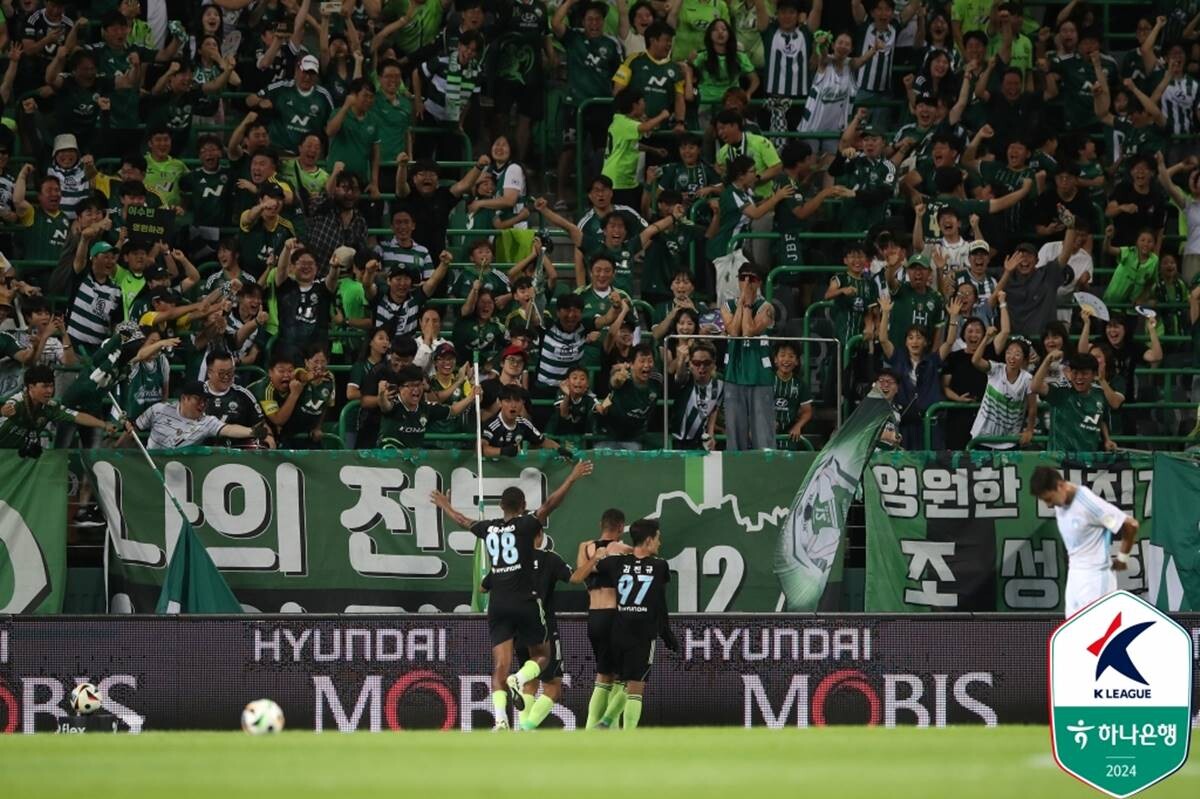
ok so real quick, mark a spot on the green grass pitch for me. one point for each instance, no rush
(733, 763)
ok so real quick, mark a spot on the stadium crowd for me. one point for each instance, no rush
(273, 223)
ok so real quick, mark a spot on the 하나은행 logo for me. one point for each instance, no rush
(1120, 694)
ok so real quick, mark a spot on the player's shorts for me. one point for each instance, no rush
(633, 660)
(554, 667)
(522, 621)
(600, 632)
(1086, 586)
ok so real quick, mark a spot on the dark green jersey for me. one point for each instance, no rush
(146, 385)
(748, 361)
(520, 46)
(731, 222)
(315, 400)
(873, 176)
(354, 144)
(394, 119)
(75, 106)
(471, 336)
(110, 63)
(591, 225)
(297, 113)
(623, 259)
(207, 196)
(590, 65)
(174, 111)
(579, 418)
(257, 243)
(668, 252)
(1004, 180)
(849, 311)
(790, 394)
(493, 280)
(44, 235)
(28, 421)
(404, 428)
(632, 405)
(687, 180)
(1076, 76)
(925, 310)
(1125, 140)
(658, 81)
(1075, 419)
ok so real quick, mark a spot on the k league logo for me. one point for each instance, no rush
(1120, 694)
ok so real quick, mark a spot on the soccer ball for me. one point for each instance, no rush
(262, 716)
(85, 698)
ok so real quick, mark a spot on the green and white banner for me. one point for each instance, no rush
(961, 532)
(812, 540)
(33, 532)
(356, 532)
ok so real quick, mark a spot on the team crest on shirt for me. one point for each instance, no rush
(314, 108)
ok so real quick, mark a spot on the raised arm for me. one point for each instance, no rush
(581, 469)
(443, 502)
(885, 318)
(1039, 385)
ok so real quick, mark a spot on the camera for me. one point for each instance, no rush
(547, 242)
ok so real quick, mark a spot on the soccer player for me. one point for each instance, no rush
(515, 611)
(602, 612)
(641, 579)
(1087, 524)
(550, 569)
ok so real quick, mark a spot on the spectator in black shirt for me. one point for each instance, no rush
(1137, 205)
(303, 303)
(1048, 219)
(429, 203)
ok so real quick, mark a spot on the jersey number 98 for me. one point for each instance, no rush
(502, 548)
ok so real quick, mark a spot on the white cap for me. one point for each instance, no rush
(310, 64)
(978, 244)
(65, 141)
(344, 256)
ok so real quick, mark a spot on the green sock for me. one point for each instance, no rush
(616, 703)
(633, 711)
(528, 672)
(523, 715)
(500, 702)
(597, 703)
(541, 708)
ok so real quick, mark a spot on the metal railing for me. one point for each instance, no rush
(711, 337)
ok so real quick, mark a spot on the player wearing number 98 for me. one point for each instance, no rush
(1087, 525)
(641, 579)
(514, 610)
(549, 570)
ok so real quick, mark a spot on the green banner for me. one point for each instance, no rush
(33, 532)
(347, 531)
(812, 540)
(961, 532)
(1177, 500)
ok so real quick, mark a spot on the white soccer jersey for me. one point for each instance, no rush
(1087, 526)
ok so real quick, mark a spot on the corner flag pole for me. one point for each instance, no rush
(479, 599)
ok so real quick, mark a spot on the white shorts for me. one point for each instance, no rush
(1086, 586)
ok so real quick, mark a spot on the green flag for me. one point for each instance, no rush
(479, 570)
(193, 584)
(1177, 531)
(811, 537)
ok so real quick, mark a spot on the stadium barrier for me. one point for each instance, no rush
(433, 672)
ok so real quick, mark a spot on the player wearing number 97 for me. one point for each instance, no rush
(549, 570)
(641, 579)
(514, 610)
(1087, 525)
